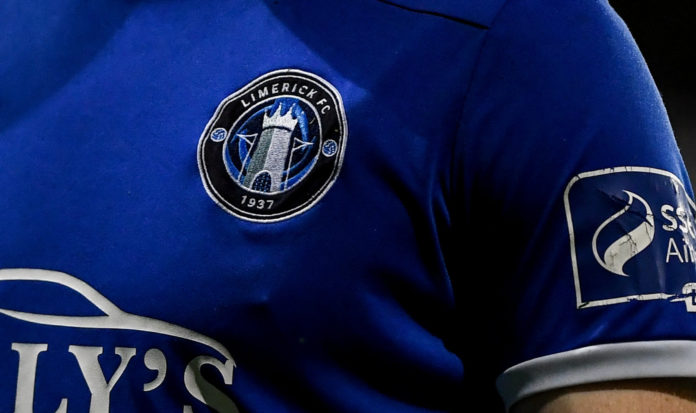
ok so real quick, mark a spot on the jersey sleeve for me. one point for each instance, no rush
(576, 203)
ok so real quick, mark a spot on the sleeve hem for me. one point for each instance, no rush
(599, 363)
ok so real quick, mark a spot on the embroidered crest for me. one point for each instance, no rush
(275, 147)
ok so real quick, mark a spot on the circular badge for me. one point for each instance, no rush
(275, 147)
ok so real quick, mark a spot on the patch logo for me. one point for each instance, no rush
(632, 237)
(275, 147)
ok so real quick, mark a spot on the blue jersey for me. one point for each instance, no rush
(286, 206)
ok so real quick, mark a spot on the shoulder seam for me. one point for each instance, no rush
(455, 139)
(434, 13)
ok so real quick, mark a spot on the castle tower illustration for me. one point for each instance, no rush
(265, 169)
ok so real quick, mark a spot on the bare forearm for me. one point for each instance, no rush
(635, 396)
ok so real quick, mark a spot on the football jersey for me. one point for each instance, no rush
(344, 206)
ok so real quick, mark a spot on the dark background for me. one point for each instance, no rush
(666, 34)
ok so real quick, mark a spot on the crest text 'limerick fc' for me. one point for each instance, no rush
(274, 148)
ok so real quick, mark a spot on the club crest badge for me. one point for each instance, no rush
(275, 147)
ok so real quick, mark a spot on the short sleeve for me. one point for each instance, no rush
(575, 200)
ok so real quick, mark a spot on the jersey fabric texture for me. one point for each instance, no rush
(286, 206)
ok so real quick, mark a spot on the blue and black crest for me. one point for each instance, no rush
(274, 148)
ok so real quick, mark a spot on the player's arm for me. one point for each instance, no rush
(630, 396)
(567, 151)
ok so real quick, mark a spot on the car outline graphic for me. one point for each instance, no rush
(114, 318)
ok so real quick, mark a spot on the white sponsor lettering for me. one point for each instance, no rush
(667, 211)
(205, 392)
(673, 251)
(685, 254)
(155, 360)
(26, 374)
(678, 218)
(87, 357)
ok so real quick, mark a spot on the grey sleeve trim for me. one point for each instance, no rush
(605, 362)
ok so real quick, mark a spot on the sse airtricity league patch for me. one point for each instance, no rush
(275, 147)
(632, 237)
